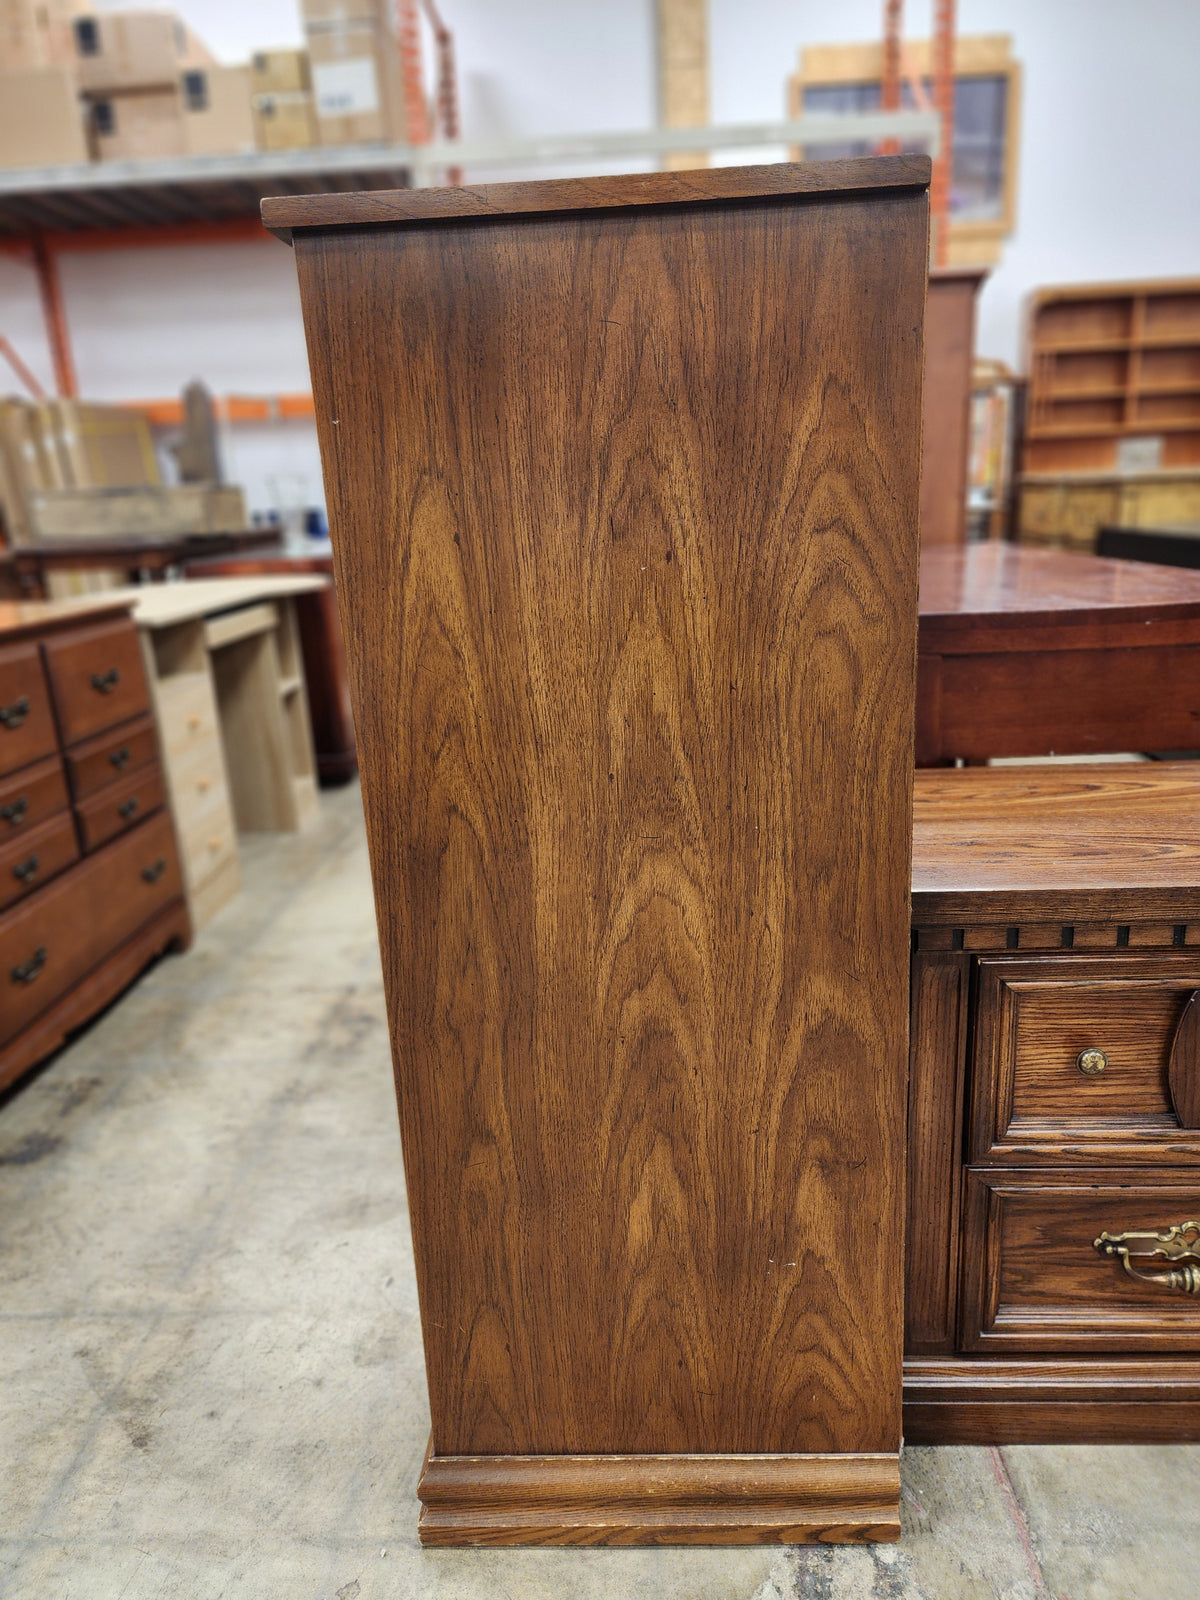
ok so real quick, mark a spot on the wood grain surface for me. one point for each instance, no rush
(1032, 1281)
(1029, 1099)
(945, 435)
(726, 1499)
(936, 1079)
(1102, 843)
(286, 215)
(1097, 1400)
(624, 518)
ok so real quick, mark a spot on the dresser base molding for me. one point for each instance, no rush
(667, 1499)
(170, 929)
(960, 1401)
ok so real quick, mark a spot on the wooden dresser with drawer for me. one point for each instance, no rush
(90, 888)
(1053, 1278)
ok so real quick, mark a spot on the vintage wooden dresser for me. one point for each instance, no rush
(1054, 1113)
(622, 482)
(90, 887)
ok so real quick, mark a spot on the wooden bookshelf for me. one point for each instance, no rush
(1109, 362)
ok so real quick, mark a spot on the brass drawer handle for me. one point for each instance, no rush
(155, 871)
(127, 807)
(14, 715)
(1179, 1243)
(1091, 1062)
(16, 812)
(29, 970)
(120, 758)
(106, 682)
(25, 870)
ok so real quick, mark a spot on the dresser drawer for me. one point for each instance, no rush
(30, 796)
(35, 856)
(1033, 1280)
(187, 713)
(98, 762)
(1080, 1059)
(27, 731)
(120, 807)
(54, 938)
(207, 844)
(97, 679)
(198, 787)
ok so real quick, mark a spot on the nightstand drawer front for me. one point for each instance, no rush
(27, 729)
(97, 679)
(1033, 1280)
(1072, 1059)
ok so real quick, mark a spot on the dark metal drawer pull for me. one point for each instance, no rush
(24, 870)
(29, 970)
(106, 682)
(15, 812)
(127, 807)
(120, 758)
(153, 873)
(14, 715)
(1180, 1243)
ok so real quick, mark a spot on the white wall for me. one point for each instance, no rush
(1109, 176)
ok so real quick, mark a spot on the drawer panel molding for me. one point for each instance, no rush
(1079, 1059)
(1034, 1281)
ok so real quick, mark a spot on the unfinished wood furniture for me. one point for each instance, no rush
(225, 669)
(622, 482)
(1054, 1106)
(1112, 430)
(320, 645)
(1068, 512)
(90, 888)
(949, 349)
(34, 566)
(1035, 652)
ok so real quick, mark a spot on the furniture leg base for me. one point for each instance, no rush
(655, 1500)
(1052, 1401)
(171, 927)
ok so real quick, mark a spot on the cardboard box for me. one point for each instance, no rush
(35, 33)
(142, 125)
(217, 119)
(280, 72)
(284, 121)
(41, 121)
(136, 513)
(99, 446)
(123, 50)
(358, 91)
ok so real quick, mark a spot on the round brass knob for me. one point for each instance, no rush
(1091, 1062)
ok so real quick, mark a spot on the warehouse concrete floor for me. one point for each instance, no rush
(211, 1384)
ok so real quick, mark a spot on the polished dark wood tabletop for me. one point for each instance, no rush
(967, 591)
(1027, 652)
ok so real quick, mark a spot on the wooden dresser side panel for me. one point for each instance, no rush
(625, 520)
(937, 1065)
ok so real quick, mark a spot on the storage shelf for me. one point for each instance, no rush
(193, 189)
(1182, 341)
(1137, 427)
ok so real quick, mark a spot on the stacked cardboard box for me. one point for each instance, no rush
(355, 57)
(35, 34)
(155, 91)
(282, 101)
(41, 124)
